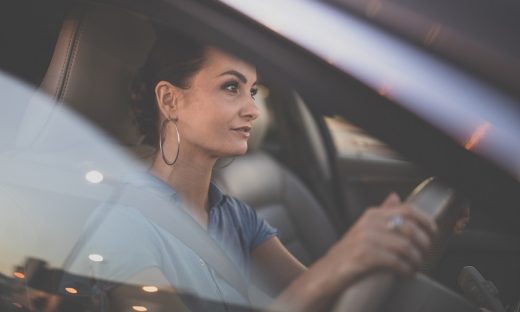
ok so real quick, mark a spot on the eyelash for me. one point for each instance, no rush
(232, 87)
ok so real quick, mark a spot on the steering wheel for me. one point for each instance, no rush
(385, 291)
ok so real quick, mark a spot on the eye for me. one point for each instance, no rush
(254, 91)
(231, 86)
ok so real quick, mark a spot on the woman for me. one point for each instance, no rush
(196, 104)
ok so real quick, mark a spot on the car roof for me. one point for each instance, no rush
(479, 35)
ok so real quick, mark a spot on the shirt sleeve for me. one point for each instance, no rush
(257, 229)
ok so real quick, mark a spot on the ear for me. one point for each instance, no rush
(166, 96)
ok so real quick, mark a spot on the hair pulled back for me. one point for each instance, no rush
(174, 58)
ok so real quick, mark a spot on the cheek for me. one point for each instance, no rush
(218, 116)
(207, 121)
(208, 126)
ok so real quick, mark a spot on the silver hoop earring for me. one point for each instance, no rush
(162, 138)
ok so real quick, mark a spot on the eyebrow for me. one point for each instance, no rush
(235, 73)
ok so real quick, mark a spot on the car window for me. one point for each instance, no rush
(351, 141)
(75, 202)
(73, 229)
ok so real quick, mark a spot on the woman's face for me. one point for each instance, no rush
(216, 112)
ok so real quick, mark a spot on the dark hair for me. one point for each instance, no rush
(174, 58)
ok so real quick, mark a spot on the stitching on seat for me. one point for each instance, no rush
(70, 61)
(64, 67)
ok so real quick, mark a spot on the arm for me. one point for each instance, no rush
(274, 267)
(369, 245)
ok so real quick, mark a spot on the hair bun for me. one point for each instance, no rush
(174, 58)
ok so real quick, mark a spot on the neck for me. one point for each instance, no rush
(190, 176)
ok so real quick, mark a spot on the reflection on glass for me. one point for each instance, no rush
(71, 290)
(477, 136)
(139, 308)
(94, 176)
(385, 89)
(432, 34)
(150, 289)
(19, 275)
(373, 8)
(17, 305)
(95, 257)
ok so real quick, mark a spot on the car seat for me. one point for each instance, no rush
(278, 195)
(99, 50)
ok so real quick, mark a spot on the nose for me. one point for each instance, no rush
(250, 110)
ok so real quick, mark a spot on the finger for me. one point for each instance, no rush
(416, 235)
(391, 200)
(421, 218)
(402, 248)
(462, 221)
(391, 261)
(381, 219)
(460, 225)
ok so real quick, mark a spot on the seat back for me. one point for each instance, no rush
(98, 52)
(278, 196)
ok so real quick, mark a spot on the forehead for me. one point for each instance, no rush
(218, 61)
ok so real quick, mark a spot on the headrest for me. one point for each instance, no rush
(98, 52)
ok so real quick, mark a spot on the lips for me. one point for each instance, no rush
(246, 130)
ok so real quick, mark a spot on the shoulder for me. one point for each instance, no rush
(227, 204)
(237, 209)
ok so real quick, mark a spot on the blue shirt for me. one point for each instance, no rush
(130, 243)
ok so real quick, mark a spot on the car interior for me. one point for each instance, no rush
(86, 51)
(95, 42)
(296, 184)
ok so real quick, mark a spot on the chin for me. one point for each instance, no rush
(238, 152)
(233, 152)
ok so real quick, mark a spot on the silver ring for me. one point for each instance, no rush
(395, 223)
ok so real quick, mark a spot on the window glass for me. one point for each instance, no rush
(81, 220)
(351, 141)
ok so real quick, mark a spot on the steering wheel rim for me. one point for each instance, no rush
(439, 201)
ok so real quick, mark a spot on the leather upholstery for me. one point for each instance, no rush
(97, 53)
(280, 198)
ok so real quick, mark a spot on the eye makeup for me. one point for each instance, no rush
(231, 86)
(254, 91)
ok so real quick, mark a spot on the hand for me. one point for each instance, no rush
(372, 243)
(462, 221)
